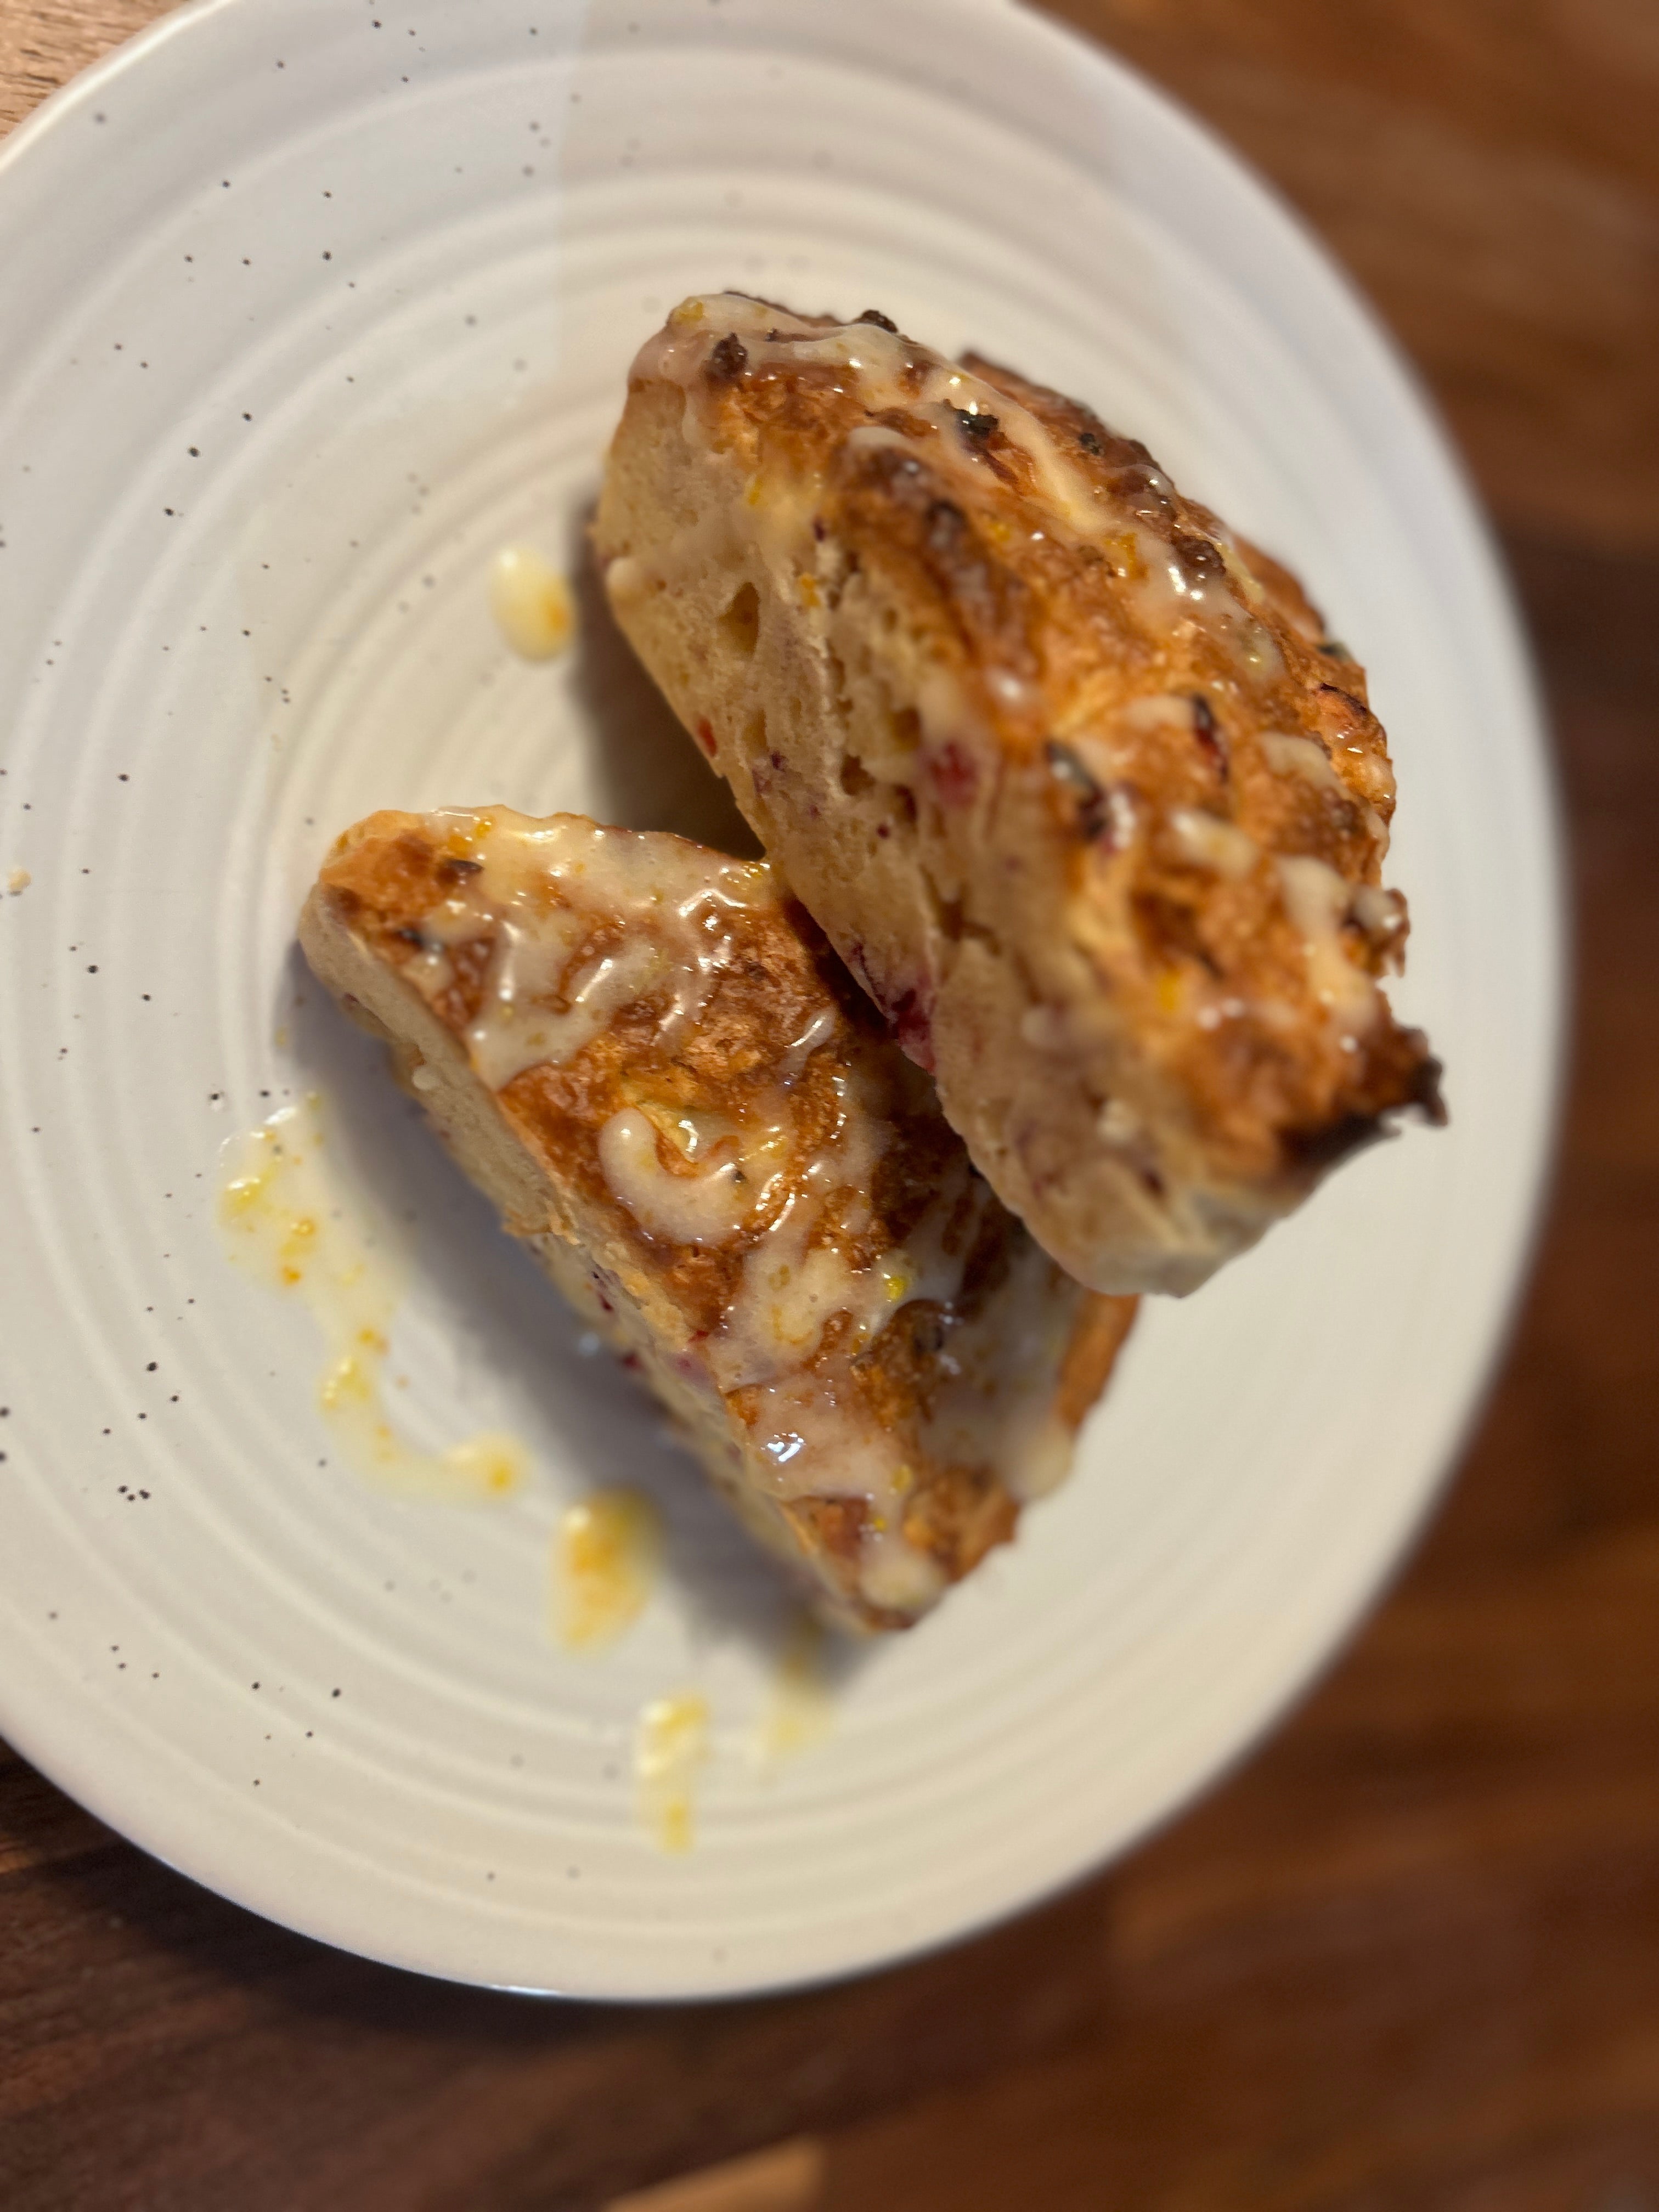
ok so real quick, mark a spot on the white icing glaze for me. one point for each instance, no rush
(1212, 842)
(531, 603)
(1318, 901)
(1303, 757)
(1373, 774)
(543, 889)
(291, 1219)
(800, 1049)
(710, 1207)
(1249, 584)
(1161, 710)
(1307, 758)
(791, 1290)
(797, 1278)
(1381, 914)
(1169, 598)
(813, 1435)
(815, 1439)
(517, 1028)
(894, 1573)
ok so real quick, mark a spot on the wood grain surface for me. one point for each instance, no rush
(1409, 1957)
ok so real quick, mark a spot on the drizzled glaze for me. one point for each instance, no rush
(568, 928)
(1319, 902)
(287, 1220)
(605, 1560)
(710, 1208)
(672, 1744)
(531, 603)
(543, 893)
(940, 406)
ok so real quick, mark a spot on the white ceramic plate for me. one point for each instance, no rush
(311, 306)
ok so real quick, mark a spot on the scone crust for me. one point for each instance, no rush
(397, 885)
(1074, 780)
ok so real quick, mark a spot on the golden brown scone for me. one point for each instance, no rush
(1072, 778)
(645, 1055)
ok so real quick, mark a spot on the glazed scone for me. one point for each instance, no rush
(1072, 778)
(647, 1056)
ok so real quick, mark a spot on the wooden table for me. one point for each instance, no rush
(1409, 1957)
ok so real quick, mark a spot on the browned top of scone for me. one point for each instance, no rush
(776, 977)
(774, 1071)
(1107, 657)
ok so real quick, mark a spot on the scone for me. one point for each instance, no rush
(645, 1055)
(1071, 777)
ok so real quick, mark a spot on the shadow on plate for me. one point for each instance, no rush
(646, 773)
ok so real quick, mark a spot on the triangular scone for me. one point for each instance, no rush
(647, 1056)
(1071, 776)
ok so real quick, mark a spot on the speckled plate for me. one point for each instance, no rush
(313, 306)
